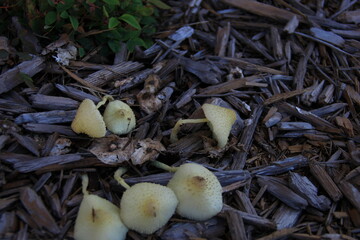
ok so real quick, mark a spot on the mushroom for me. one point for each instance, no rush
(98, 218)
(146, 207)
(119, 117)
(88, 120)
(198, 190)
(219, 119)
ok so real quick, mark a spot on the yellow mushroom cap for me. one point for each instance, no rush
(220, 122)
(98, 219)
(88, 120)
(146, 207)
(119, 117)
(198, 190)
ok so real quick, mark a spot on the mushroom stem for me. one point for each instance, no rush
(85, 184)
(176, 129)
(119, 179)
(104, 99)
(163, 166)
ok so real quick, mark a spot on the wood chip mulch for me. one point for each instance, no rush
(291, 169)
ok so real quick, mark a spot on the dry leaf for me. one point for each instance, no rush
(146, 150)
(112, 149)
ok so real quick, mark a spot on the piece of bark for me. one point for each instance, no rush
(48, 128)
(351, 193)
(273, 120)
(3, 140)
(106, 75)
(328, 36)
(53, 102)
(8, 223)
(282, 192)
(311, 96)
(351, 16)
(318, 122)
(206, 71)
(236, 225)
(327, 95)
(230, 85)
(328, 109)
(38, 211)
(283, 166)
(11, 78)
(212, 228)
(301, 67)
(326, 181)
(246, 139)
(55, 116)
(346, 125)
(134, 80)
(76, 93)
(255, 220)
(246, 65)
(276, 43)
(305, 188)
(222, 38)
(291, 25)
(294, 126)
(286, 217)
(28, 143)
(34, 164)
(242, 38)
(14, 107)
(245, 203)
(282, 233)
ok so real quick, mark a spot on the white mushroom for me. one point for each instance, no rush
(146, 207)
(119, 117)
(198, 190)
(88, 120)
(98, 218)
(219, 119)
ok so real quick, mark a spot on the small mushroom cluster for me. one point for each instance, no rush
(118, 118)
(193, 192)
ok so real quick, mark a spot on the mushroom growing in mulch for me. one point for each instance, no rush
(98, 218)
(146, 207)
(219, 119)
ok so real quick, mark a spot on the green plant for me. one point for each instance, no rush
(89, 23)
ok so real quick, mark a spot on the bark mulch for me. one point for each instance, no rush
(290, 70)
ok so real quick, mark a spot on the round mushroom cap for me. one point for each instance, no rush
(220, 122)
(198, 190)
(119, 117)
(146, 207)
(88, 120)
(98, 219)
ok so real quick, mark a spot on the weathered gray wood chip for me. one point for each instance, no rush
(282, 192)
(38, 211)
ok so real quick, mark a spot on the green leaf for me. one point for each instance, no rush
(74, 22)
(159, 4)
(105, 12)
(114, 45)
(113, 22)
(131, 20)
(145, 11)
(50, 18)
(132, 43)
(112, 2)
(64, 5)
(64, 14)
(26, 79)
(81, 52)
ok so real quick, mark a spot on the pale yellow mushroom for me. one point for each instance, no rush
(198, 190)
(119, 117)
(98, 218)
(219, 119)
(88, 120)
(146, 207)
